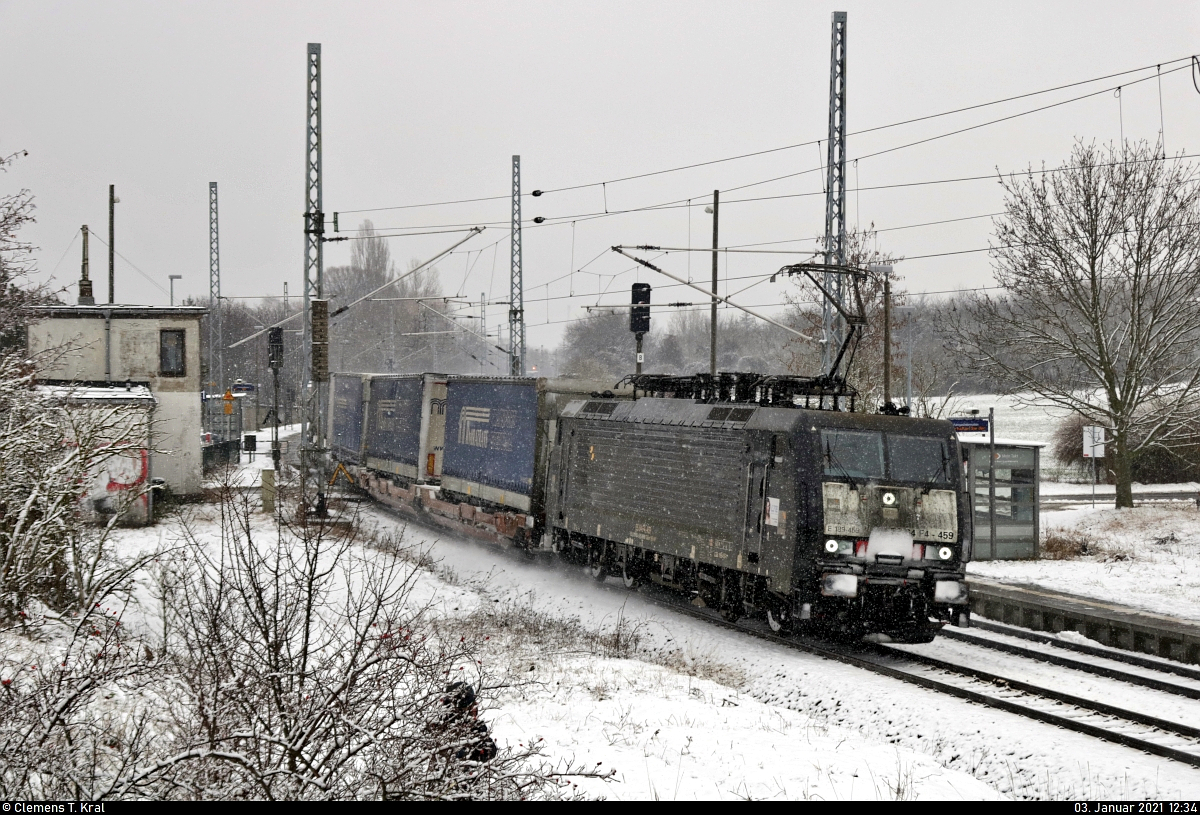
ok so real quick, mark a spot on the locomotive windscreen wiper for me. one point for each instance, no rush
(832, 461)
(939, 475)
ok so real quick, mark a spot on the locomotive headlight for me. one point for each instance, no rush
(831, 546)
(889, 499)
(945, 553)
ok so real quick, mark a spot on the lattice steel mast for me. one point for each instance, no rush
(516, 309)
(216, 343)
(314, 228)
(833, 326)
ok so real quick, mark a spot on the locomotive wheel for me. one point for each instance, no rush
(597, 563)
(779, 620)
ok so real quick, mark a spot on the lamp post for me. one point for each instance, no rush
(173, 278)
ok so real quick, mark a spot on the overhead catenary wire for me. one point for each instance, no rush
(680, 203)
(1193, 64)
(96, 237)
(712, 294)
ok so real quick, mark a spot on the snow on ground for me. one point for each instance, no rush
(1147, 557)
(672, 736)
(611, 709)
(1014, 420)
(675, 716)
(1108, 492)
(247, 471)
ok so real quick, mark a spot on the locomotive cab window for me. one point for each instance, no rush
(171, 358)
(916, 458)
(852, 453)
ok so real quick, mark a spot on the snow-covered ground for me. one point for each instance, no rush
(1014, 418)
(1147, 557)
(785, 737)
(1108, 492)
(247, 471)
(689, 710)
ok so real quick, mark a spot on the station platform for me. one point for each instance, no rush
(1110, 624)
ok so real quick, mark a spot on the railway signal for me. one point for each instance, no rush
(639, 317)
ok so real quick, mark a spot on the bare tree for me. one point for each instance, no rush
(16, 263)
(1099, 264)
(291, 662)
(309, 670)
(409, 328)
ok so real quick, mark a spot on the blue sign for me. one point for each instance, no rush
(242, 387)
(970, 424)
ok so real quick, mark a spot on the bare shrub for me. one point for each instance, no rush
(292, 663)
(77, 713)
(310, 671)
(50, 549)
(1065, 544)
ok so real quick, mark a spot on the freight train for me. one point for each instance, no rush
(753, 496)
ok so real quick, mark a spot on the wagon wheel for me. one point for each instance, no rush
(597, 562)
(629, 574)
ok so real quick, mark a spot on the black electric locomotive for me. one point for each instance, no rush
(844, 523)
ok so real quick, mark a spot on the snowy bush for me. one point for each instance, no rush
(50, 552)
(294, 661)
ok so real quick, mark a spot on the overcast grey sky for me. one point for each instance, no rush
(427, 102)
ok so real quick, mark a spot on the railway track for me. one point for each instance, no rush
(1150, 734)
(1144, 680)
(1096, 651)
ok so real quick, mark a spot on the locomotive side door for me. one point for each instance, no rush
(778, 513)
(756, 505)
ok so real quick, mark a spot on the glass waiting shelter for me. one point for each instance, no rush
(1018, 474)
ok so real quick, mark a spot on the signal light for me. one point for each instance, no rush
(639, 315)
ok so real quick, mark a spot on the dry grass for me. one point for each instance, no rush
(521, 634)
(1065, 544)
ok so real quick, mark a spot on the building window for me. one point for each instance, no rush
(171, 358)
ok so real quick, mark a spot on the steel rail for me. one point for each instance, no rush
(1038, 690)
(1075, 664)
(1082, 648)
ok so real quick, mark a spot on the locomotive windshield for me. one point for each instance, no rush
(857, 454)
(852, 453)
(918, 458)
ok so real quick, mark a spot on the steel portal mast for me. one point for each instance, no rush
(516, 309)
(216, 343)
(833, 326)
(314, 228)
